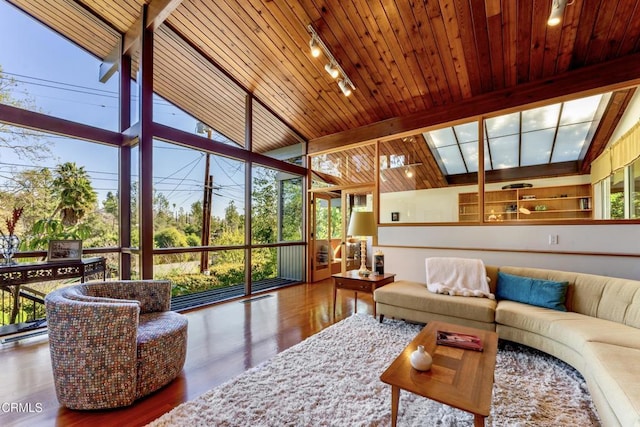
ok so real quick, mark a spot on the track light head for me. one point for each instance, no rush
(315, 47)
(332, 67)
(332, 70)
(344, 87)
(557, 11)
(408, 172)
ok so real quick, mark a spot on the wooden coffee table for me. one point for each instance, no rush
(353, 281)
(459, 378)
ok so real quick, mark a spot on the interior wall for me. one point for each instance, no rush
(604, 249)
(441, 204)
(607, 249)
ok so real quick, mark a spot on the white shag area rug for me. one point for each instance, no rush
(333, 379)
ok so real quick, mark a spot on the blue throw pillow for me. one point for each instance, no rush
(543, 293)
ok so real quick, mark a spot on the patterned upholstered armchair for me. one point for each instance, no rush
(113, 342)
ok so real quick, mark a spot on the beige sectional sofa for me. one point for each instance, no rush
(599, 334)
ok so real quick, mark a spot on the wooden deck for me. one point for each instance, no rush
(225, 339)
(199, 299)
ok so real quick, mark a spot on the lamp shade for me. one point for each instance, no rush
(362, 224)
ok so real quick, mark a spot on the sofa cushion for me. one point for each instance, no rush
(575, 332)
(531, 318)
(416, 296)
(620, 301)
(572, 329)
(543, 293)
(616, 372)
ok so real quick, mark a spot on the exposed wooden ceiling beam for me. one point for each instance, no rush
(325, 177)
(519, 173)
(177, 136)
(157, 12)
(45, 123)
(109, 64)
(607, 76)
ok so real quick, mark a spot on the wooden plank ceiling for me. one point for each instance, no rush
(403, 57)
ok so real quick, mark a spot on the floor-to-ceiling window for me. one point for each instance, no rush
(201, 160)
(279, 259)
(54, 185)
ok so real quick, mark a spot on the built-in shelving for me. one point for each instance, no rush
(543, 203)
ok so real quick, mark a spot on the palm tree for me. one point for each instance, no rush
(73, 188)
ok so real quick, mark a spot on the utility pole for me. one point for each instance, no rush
(206, 204)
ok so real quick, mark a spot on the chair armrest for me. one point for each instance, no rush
(92, 344)
(153, 295)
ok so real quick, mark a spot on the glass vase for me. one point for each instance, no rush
(9, 246)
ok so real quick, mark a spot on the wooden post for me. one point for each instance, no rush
(145, 164)
(248, 139)
(124, 169)
(206, 211)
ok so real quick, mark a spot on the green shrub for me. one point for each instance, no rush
(183, 284)
(193, 240)
(220, 275)
(228, 274)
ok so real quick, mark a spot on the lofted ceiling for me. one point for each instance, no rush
(404, 57)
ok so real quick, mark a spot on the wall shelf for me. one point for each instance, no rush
(544, 203)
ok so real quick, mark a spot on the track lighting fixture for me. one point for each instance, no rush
(332, 70)
(409, 139)
(557, 11)
(315, 48)
(332, 67)
(408, 172)
(344, 87)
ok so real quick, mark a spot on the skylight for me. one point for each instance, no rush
(551, 134)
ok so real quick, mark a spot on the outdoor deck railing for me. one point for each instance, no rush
(20, 305)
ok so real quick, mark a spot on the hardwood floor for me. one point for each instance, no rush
(224, 340)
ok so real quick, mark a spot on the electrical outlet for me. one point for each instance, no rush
(553, 239)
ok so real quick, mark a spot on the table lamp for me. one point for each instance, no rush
(362, 224)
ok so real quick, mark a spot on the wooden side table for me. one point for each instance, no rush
(351, 280)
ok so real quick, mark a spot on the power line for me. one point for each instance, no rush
(35, 133)
(68, 100)
(196, 161)
(84, 92)
(70, 88)
(56, 82)
(224, 170)
(167, 179)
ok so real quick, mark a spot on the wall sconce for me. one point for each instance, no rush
(334, 69)
(557, 11)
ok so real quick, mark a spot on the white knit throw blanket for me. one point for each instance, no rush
(457, 276)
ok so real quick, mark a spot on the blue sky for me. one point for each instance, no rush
(63, 81)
